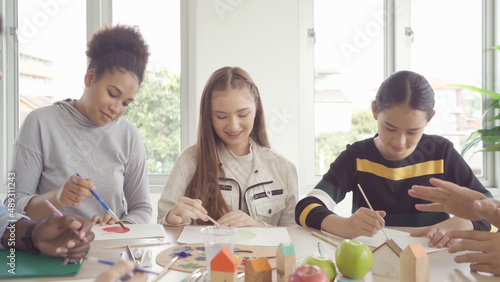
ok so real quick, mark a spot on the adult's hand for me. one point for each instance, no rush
(484, 247)
(56, 236)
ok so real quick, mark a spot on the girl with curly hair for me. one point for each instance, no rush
(88, 136)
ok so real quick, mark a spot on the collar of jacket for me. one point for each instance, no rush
(260, 171)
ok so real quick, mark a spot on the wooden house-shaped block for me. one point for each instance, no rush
(258, 270)
(386, 259)
(224, 267)
(414, 264)
(285, 261)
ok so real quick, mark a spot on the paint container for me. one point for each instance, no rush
(215, 239)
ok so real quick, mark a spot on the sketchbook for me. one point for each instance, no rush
(27, 265)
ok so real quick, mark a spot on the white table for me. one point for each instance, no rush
(442, 266)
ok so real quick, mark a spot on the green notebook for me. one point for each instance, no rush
(28, 265)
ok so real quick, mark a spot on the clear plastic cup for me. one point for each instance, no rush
(215, 239)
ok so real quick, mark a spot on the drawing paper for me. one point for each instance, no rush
(254, 236)
(136, 231)
(403, 239)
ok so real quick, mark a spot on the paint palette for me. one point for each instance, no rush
(192, 256)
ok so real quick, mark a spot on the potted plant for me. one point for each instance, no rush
(487, 135)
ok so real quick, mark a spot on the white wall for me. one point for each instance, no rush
(262, 37)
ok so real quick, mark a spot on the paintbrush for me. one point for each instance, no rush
(136, 245)
(320, 249)
(112, 263)
(165, 269)
(108, 210)
(59, 213)
(325, 239)
(213, 221)
(366, 199)
(130, 254)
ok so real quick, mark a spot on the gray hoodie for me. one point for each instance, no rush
(57, 141)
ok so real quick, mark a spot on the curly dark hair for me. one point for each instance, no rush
(120, 47)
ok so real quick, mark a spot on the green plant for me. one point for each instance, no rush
(487, 135)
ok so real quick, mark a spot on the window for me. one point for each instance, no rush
(349, 66)
(156, 110)
(50, 45)
(458, 112)
(359, 43)
(52, 61)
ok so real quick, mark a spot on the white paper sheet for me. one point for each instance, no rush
(403, 239)
(254, 236)
(136, 231)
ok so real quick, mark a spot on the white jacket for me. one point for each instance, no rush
(271, 194)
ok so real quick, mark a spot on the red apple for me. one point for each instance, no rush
(308, 273)
(354, 259)
(324, 263)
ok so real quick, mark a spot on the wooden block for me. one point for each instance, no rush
(386, 259)
(285, 261)
(258, 270)
(224, 266)
(414, 264)
(223, 276)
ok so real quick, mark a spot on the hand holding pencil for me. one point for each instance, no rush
(56, 236)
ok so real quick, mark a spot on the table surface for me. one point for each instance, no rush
(441, 265)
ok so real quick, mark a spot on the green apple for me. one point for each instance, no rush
(354, 259)
(324, 263)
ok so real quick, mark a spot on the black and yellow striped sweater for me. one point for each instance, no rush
(386, 183)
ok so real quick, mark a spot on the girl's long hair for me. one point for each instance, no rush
(205, 182)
